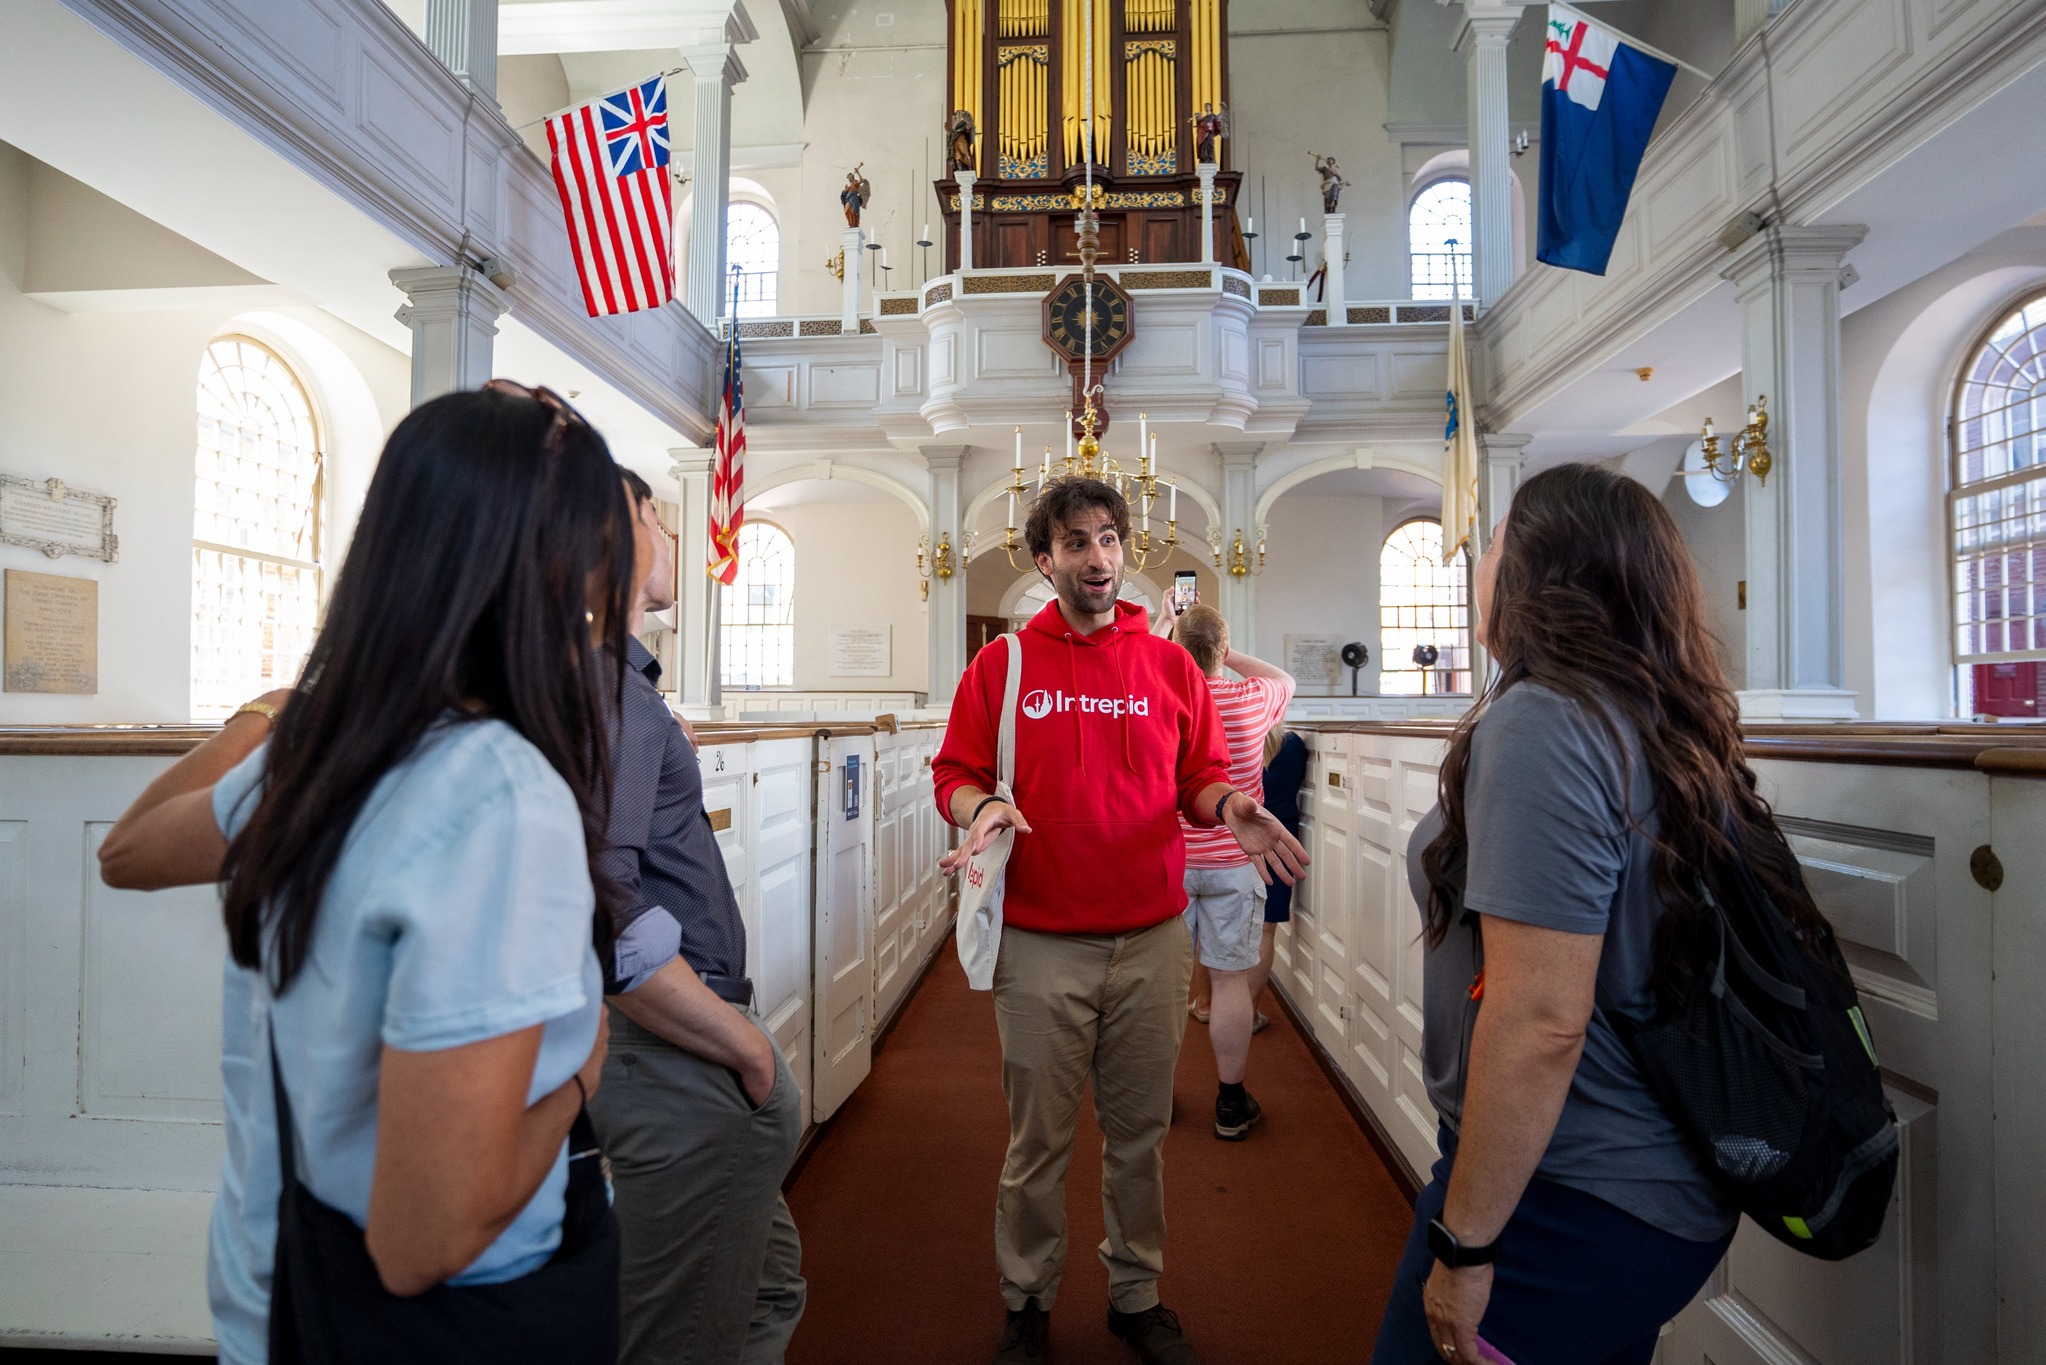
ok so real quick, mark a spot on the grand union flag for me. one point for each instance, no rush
(611, 167)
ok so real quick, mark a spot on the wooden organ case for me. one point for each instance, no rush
(1018, 67)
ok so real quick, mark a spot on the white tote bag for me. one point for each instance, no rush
(979, 929)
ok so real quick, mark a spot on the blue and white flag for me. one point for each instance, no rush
(1600, 98)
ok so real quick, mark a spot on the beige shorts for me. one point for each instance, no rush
(1225, 910)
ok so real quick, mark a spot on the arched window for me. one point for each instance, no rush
(757, 613)
(1422, 601)
(753, 252)
(1439, 239)
(1998, 506)
(255, 526)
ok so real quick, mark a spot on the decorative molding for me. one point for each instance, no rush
(1317, 318)
(1009, 284)
(898, 307)
(21, 498)
(1168, 279)
(939, 294)
(820, 327)
(1368, 316)
(766, 329)
(1426, 313)
(1278, 298)
(1232, 285)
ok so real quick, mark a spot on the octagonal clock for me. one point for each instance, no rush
(1065, 318)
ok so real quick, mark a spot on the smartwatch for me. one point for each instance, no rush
(1445, 1247)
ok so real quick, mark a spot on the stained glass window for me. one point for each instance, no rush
(1439, 239)
(757, 611)
(1422, 601)
(255, 527)
(753, 253)
(1998, 510)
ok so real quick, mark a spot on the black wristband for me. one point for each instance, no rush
(1219, 804)
(977, 810)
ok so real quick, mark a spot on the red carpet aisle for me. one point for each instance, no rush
(1281, 1248)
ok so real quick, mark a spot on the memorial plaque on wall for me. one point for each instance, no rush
(52, 633)
(57, 520)
(1316, 662)
(861, 652)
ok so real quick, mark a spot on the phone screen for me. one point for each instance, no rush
(1183, 590)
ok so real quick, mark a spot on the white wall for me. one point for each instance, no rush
(855, 566)
(1322, 578)
(105, 402)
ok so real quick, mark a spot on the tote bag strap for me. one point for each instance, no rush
(1005, 762)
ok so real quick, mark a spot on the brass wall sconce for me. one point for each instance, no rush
(937, 563)
(1240, 562)
(1750, 452)
(836, 265)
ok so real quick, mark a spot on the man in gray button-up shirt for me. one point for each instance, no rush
(698, 1112)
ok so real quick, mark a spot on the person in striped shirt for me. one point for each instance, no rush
(1225, 891)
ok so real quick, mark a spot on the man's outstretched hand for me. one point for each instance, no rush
(1273, 850)
(994, 817)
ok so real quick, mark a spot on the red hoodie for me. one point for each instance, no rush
(1116, 734)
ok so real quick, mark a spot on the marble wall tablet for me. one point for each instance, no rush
(57, 520)
(52, 633)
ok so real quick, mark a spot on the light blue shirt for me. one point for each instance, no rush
(460, 910)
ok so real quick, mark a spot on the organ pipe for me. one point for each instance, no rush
(969, 32)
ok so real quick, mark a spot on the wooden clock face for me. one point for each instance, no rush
(1066, 314)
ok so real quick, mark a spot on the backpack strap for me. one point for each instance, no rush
(1005, 744)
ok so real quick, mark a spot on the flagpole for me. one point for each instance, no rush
(1631, 41)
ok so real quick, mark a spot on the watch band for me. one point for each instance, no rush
(1446, 1248)
(257, 708)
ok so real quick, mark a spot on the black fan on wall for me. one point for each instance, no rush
(1355, 656)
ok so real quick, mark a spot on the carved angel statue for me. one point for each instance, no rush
(855, 195)
(1332, 182)
(959, 133)
(1208, 126)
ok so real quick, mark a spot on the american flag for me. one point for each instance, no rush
(728, 477)
(611, 166)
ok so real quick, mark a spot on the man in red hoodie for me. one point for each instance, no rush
(1116, 738)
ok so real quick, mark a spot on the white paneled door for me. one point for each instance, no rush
(844, 1032)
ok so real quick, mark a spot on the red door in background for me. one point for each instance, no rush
(2007, 690)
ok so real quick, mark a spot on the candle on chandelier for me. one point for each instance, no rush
(1303, 227)
(1143, 437)
(1172, 511)
(1019, 448)
(1153, 453)
(1069, 438)
(1012, 511)
(1044, 470)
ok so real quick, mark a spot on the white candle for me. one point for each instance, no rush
(1019, 448)
(1172, 512)
(926, 236)
(1044, 470)
(884, 258)
(1069, 438)
(1012, 511)
(1250, 227)
(1143, 436)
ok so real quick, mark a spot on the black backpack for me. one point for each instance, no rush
(1771, 1072)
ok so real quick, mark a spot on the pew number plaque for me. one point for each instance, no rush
(51, 633)
(56, 519)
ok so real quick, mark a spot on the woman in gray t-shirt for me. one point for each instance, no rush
(1568, 1219)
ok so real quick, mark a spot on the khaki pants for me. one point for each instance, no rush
(712, 1271)
(1070, 1007)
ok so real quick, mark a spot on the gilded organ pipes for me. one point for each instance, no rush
(1024, 82)
(1023, 18)
(1072, 76)
(1151, 75)
(969, 36)
(1206, 55)
(1150, 16)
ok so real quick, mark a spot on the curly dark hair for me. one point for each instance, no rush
(1064, 499)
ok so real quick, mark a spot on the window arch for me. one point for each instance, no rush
(753, 254)
(256, 523)
(1997, 510)
(1422, 601)
(757, 611)
(1439, 239)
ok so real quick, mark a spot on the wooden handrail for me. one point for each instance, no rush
(169, 741)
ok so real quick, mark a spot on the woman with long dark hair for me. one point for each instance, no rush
(1596, 785)
(409, 877)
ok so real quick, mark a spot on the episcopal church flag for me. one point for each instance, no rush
(728, 475)
(611, 166)
(1600, 98)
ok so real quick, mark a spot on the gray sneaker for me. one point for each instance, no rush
(1233, 1122)
(1155, 1336)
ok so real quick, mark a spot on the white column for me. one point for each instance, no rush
(714, 69)
(965, 179)
(463, 34)
(948, 595)
(696, 604)
(1206, 171)
(851, 242)
(453, 312)
(1333, 292)
(1503, 457)
(1239, 513)
(1482, 38)
(1787, 281)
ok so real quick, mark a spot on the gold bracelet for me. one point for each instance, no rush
(257, 708)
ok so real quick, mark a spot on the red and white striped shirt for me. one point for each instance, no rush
(1249, 707)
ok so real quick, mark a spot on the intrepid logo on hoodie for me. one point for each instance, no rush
(1039, 704)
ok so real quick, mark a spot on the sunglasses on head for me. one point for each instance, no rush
(564, 412)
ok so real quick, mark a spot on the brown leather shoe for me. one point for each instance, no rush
(1155, 1336)
(1026, 1335)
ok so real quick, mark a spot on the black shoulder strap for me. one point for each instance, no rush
(287, 1138)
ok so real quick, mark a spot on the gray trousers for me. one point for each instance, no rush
(712, 1271)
